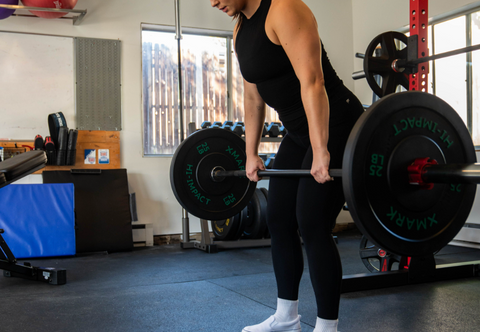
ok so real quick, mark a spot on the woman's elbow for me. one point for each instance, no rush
(314, 82)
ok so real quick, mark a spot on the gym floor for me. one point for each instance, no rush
(165, 288)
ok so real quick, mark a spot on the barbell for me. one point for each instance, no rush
(393, 57)
(398, 148)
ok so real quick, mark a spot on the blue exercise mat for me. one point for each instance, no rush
(38, 219)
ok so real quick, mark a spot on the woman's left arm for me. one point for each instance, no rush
(292, 24)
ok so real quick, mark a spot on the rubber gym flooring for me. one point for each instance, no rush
(165, 288)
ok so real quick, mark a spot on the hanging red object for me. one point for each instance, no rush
(59, 4)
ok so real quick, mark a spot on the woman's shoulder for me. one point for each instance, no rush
(287, 4)
(283, 8)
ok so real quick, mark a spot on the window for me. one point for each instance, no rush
(475, 84)
(456, 79)
(212, 86)
(450, 73)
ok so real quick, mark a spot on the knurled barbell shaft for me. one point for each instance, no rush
(451, 173)
(277, 172)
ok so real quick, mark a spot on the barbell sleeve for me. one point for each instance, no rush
(451, 173)
(443, 55)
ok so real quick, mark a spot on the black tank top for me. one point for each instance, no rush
(267, 65)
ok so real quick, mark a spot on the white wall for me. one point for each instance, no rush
(335, 26)
(121, 19)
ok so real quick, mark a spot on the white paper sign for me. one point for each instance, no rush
(103, 156)
(90, 158)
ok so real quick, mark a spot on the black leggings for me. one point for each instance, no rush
(302, 204)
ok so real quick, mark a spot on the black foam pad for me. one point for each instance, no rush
(71, 147)
(62, 145)
(102, 209)
(55, 122)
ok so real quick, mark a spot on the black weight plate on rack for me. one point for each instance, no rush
(191, 169)
(401, 218)
(371, 256)
(241, 220)
(256, 217)
(373, 66)
(225, 229)
(265, 192)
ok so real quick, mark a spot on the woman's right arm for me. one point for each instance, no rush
(254, 107)
(254, 120)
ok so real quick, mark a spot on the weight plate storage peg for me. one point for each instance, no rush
(191, 174)
(378, 64)
(398, 217)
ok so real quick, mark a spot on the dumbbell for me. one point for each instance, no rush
(227, 125)
(217, 124)
(265, 129)
(274, 129)
(239, 128)
(269, 161)
(206, 124)
(263, 156)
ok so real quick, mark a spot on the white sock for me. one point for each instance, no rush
(286, 310)
(326, 325)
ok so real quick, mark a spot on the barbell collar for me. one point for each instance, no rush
(451, 173)
(219, 174)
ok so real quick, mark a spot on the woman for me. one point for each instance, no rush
(284, 65)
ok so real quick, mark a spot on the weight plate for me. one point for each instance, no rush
(191, 179)
(224, 230)
(241, 219)
(381, 53)
(376, 259)
(265, 192)
(256, 216)
(398, 217)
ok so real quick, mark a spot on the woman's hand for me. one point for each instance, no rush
(320, 165)
(254, 164)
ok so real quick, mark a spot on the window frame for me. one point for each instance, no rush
(190, 31)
